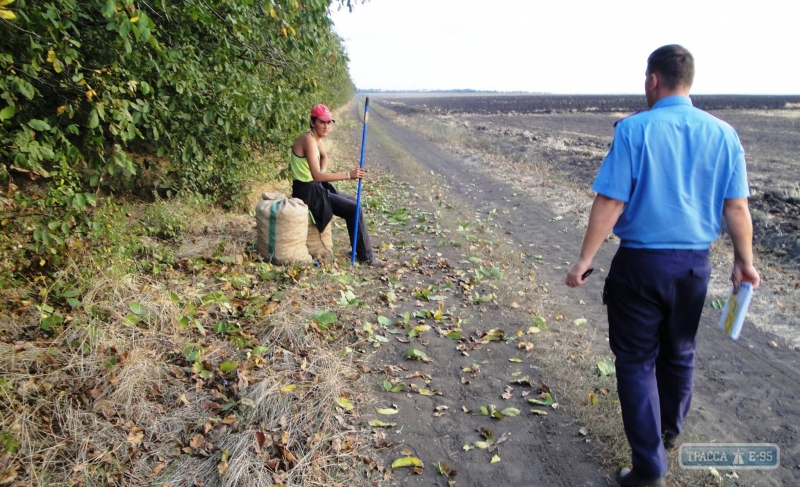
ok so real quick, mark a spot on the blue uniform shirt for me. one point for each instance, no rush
(673, 166)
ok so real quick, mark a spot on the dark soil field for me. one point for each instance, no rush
(768, 126)
(528, 173)
(525, 104)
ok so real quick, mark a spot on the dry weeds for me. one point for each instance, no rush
(129, 391)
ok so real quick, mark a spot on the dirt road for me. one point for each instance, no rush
(746, 391)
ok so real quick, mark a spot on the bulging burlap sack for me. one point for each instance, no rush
(320, 244)
(282, 228)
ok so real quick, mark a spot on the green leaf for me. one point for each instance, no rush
(109, 9)
(74, 303)
(407, 462)
(94, 119)
(8, 443)
(324, 317)
(606, 367)
(131, 320)
(580, 322)
(228, 366)
(380, 424)
(414, 353)
(260, 350)
(345, 403)
(137, 309)
(79, 201)
(208, 117)
(539, 322)
(71, 293)
(454, 335)
(386, 411)
(39, 125)
(384, 321)
(7, 112)
(51, 322)
(547, 400)
(510, 412)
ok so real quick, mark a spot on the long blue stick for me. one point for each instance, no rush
(358, 196)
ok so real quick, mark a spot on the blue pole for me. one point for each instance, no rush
(358, 196)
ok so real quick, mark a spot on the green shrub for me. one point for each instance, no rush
(93, 91)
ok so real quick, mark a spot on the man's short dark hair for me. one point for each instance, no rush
(674, 63)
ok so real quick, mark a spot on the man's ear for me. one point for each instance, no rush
(654, 80)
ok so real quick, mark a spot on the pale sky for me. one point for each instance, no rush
(570, 46)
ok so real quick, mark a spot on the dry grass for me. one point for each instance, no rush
(106, 401)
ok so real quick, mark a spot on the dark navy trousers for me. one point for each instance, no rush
(655, 299)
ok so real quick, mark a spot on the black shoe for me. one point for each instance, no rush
(629, 478)
(670, 441)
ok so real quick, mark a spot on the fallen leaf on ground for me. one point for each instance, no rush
(414, 353)
(495, 459)
(345, 403)
(135, 436)
(380, 424)
(386, 411)
(407, 462)
(606, 367)
(544, 399)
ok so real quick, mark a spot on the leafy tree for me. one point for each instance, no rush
(103, 96)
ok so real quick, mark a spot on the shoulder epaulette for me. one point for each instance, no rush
(628, 116)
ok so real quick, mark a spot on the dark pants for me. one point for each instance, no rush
(654, 298)
(345, 206)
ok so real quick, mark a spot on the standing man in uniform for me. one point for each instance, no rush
(672, 173)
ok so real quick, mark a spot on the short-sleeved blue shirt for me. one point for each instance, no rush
(673, 166)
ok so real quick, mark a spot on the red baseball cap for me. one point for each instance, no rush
(322, 112)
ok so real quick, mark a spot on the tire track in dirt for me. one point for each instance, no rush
(745, 391)
(540, 450)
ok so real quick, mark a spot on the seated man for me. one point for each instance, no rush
(312, 184)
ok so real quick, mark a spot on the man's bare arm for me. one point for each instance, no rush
(740, 228)
(317, 167)
(605, 212)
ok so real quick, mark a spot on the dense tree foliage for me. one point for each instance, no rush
(103, 96)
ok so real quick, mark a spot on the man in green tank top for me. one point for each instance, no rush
(311, 183)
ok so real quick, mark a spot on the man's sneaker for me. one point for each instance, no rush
(629, 478)
(670, 441)
(376, 262)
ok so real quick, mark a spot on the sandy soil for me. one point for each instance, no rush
(532, 170)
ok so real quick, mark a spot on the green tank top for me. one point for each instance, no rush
(299, 166)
